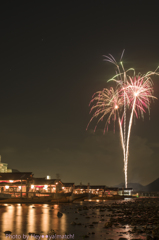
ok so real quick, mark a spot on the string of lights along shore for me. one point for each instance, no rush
(130, 98)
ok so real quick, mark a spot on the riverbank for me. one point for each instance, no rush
(59, 200)
(34, 200)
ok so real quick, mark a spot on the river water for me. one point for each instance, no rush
(42, 219)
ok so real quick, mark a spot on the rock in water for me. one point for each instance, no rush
(123, 239)
(7, 232)
(59, 214)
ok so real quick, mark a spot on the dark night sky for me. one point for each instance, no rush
(51, 64)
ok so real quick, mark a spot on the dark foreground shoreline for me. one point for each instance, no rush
(142, 215)
(133, 219)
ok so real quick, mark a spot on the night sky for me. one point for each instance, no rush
(52, 62)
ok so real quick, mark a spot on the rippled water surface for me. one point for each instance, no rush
(41, 218)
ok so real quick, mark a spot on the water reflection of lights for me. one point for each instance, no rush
(31, 219)
(125, 231)
(45, 205)
(57, 223)
(45, 219)
(18, 218)
(8, 218)
(128, 199)
(62, 223)
(53, 217)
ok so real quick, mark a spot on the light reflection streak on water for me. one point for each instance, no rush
(8, 219)
(62, 224)
(54, 218)
(45, 219)
(31, 219)
(126, 234)
(18, 218)
(58, 224)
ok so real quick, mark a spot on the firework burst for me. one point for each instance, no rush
(105, 103)
(139, 89)
(133, 93)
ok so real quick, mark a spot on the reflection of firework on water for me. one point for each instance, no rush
(134, 93)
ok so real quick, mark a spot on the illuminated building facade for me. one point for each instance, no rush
(23, 184)
(45, 187)
(4, 167)
(16, 184)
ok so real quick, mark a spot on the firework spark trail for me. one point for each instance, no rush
(124, 121)
(139, 91)
(121, 137)
(120, 81)
(127, 144)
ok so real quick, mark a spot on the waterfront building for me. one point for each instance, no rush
(92, 189)
(22, 184)
(4, 167)
(68, 187)
(125, 191)
(109, 192)
(97, 189)
(41, 187)
(17, 184)
(100, 190)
